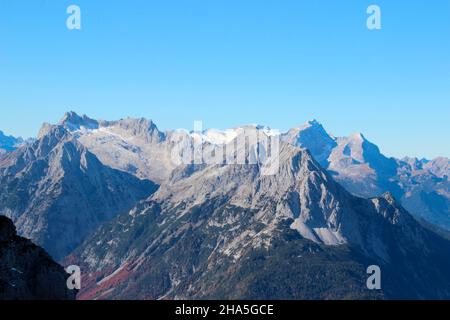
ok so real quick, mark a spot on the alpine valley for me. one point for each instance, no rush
(108, 197)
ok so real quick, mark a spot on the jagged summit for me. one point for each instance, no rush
(135, 127)
(125, 128)
(313, 123)
(72, 121)
(312, 136)
(358, 136)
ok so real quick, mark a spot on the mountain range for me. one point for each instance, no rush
(137, 146)
(422, 186)
(109, 197)
(57, 192)
(228, 232)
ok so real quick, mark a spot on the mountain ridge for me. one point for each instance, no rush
(55, 189)
(422, 186)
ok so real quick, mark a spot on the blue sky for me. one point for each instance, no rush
(231, 62)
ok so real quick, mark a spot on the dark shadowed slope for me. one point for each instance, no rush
(26, 271)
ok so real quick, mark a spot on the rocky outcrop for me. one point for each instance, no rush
(26, 271)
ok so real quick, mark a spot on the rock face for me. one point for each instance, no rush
(312, 131)
(422, 186)
(57, 192)
(227, 232)
(27, 271)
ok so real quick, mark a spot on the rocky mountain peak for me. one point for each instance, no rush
(50, 137)
(312, 136)
(131, 128)
(72, 121)
(140, 127)
(357, 137)
(314, 123)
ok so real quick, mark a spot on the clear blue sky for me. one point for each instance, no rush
(231, 62)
